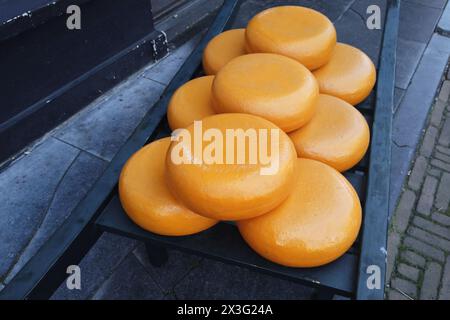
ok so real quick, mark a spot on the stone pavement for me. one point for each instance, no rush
(40, 188)
(419, 240)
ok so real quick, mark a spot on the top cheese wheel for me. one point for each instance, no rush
(297, 32)
(271, 86)
(349, 75)
(147, 200)
(318, 222)
(337, 135)
(222, 49)
(190, 102)
(231, 166)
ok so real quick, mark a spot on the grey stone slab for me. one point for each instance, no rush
(425, 204)
(165, 69)
(424, 249)
(409, 272)
(428, 142)
(440, 4)
(444, 22)
(105, 125)
(441, 218)
(405, 287)
(418, 173)
(400, 163)
(27, 188)
(444, 293)
(97, 266)
(437, 113)
(444, 137)
(177, 267)
(444, 93)
(443, 194)
(367, 40)
(392, 249)
(411, 14)
(398, 96)
(75, 184)
(432, 227)
(404, 211)
(409, 53)
(413, 110)
(130, 281)
(413, 258)
(440, 43)
(429, 238)
(395, 295)
(215, 280)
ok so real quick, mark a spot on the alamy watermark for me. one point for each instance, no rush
(236, 146)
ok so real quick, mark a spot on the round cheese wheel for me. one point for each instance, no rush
(303, 34)
(318, 222)
(349, 75)
(147, 200)
(271, 86)
(222, 49)
(190, 102)
(337, 135)
(231, 166)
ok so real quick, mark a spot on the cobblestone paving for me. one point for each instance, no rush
(419, 239)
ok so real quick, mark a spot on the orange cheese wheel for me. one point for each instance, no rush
(147, 200)
(231, 181)
(303, 34)
(337, 135)
(271, 86)
(349, 75)
(318, 222)
(190, 102)
(222, 49)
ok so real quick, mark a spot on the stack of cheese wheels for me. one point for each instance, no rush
(262, 140)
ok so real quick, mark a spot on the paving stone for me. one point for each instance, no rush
(444, 93)
(413, 111)
(440, 44)
(75, 184)
(409, 272)
(413, 258)
(444, 293)
(418, 173)
(395, 295)
(129, 281)
(392, 249)
(165, 69)
(426, 199)
(367, 40)
(443, 150)
(398, 96)
(434, 172)
(441, 218)
(440, 164)
(444, 22)
(443, 157)
(27, 189)
(437, 113)
(405, 286)
(443, 193)
(444, 138)
(431, 280)
(410, 13)
(440, 4)
(400, 164)
(119, 112)
(222, 281)
(426, 149)
(409, 53)
(424, 249)
(429, 238)
(97, 266)
(176, 268)
(404, 211)
(432, 227)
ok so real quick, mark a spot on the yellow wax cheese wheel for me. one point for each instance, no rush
(147, 200)
(349, 75)
(318, 222)
(303, 34)
(271, 86)
(337, 135)
(190, 102)
(222, 49)
(231, 166)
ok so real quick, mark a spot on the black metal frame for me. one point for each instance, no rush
(101, 211)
